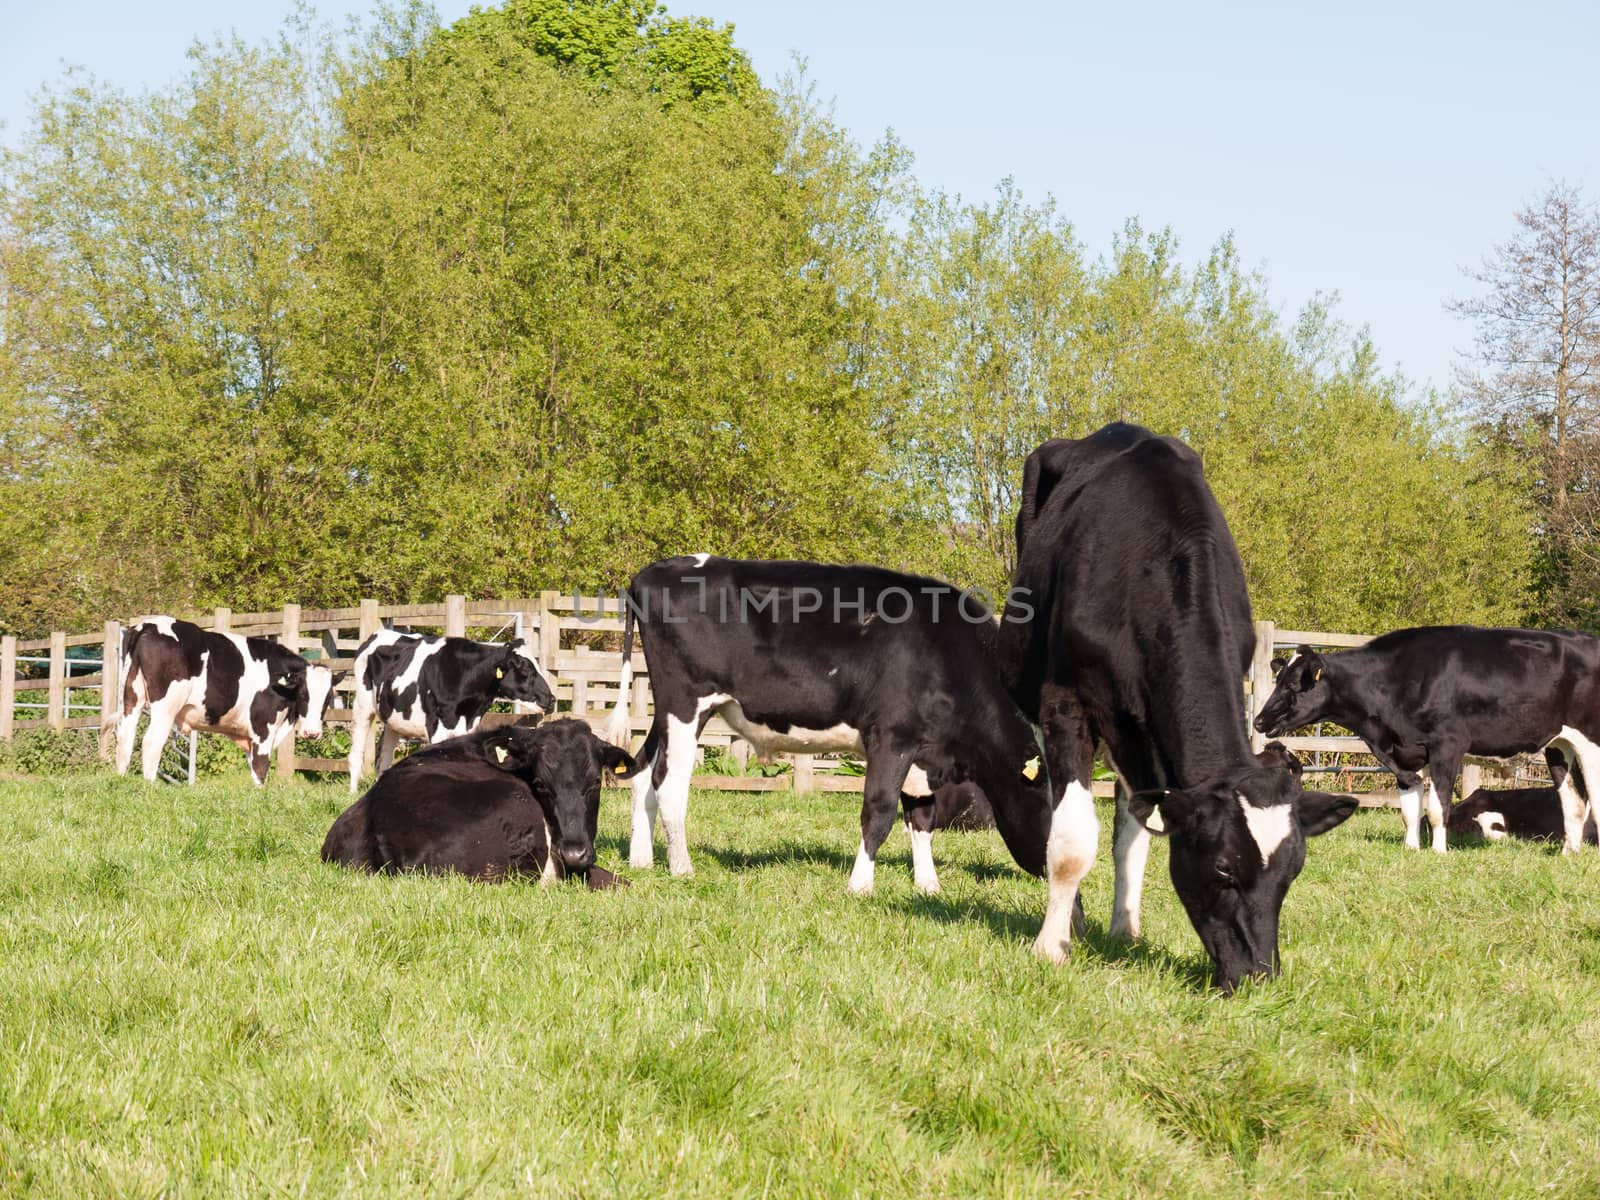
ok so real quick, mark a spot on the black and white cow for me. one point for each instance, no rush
(435, 688)
(1141, 639)
(806, 658)
(1423, 699)
(251, 690)
(513, 800)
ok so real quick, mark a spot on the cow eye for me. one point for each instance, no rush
(1227, 877)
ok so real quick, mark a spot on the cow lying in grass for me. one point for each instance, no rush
(513, 800)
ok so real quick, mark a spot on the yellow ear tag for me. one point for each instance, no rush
(500, 754)
(1317, 676)
(621, 768)
(499, 672)
(1030, 769)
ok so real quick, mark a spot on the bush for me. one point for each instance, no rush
(48, 752)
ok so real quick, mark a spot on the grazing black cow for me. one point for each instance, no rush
(806, 658)
(249, 689)
(489, 804)
(435, 688)
(1422, 699)
(1141, 641)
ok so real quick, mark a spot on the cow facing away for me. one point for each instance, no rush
(1423, 699)
(251, 690)
(434, 688)
(808, 658)
(498, 802)
(1140, 641)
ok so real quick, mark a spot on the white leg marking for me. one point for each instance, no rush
(1130, 851)
(163, 715)
(127, 726)
(922, 869)
(1492, 825)
(641, 846)
(861, 874)
(1074, 835)
(1411, 814)
(673, 794)
(1584, 755)
(1436, 819)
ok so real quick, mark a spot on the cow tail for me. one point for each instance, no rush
(618, 730)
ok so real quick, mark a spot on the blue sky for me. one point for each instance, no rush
(1366, 149)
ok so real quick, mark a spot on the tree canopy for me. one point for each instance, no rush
(532, 299)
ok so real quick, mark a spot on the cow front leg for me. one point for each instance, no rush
(1074, 828)
(1577, 753)
(260, 759)
(360, 737)
(1131, 851)
(641, 841)
(919, 813)
(887, 765)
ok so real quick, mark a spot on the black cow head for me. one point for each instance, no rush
(1301, 696)
(564, 763)
(517, 677)
(1236, 846)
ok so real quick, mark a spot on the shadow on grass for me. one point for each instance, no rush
(745, 860)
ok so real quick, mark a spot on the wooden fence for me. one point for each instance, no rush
(574, 638)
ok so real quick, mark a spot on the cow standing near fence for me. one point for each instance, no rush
(435, 688)
(1140, 641)
(810, 658)
(251, 690)
(1425, 698)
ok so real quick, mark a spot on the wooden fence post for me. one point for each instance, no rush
(222, 620)
(369, 626)
(56, 713)
(110, 685)
(549, 632)
(805, 776)
(290, 637)
(455, 616)
(1261, 682)
(8, 686)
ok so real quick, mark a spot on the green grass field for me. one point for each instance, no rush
(191, 1003)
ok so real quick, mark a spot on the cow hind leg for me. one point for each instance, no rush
(360, 738)
(388, 741)
(919, 824)
(672, 789)
(1074, 828)
(887, 766)
(163, 716)
(1131, 851)
(1411, 810)
(1443, 767)
(128, 723)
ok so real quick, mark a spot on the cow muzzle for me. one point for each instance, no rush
(577, 858)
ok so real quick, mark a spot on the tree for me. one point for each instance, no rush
(1534, 380)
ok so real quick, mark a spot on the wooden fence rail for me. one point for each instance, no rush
(573, 637)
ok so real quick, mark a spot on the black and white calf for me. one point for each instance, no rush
(1141, 640)
(435, 688)
(249, 689)
(499, 802)
(805, 658)
(1425, 698)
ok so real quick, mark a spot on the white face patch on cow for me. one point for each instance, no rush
(701, 559)
(1268, 826)
(1492, 825)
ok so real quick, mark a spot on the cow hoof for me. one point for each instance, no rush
(858, 889)
(1052, 950)
(641, 862)
(1122, 931)
(929, 889)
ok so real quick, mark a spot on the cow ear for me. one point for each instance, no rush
(1319, 812)
(1278, 664)
(501, 748)
(1161, 810)
(617, 762)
